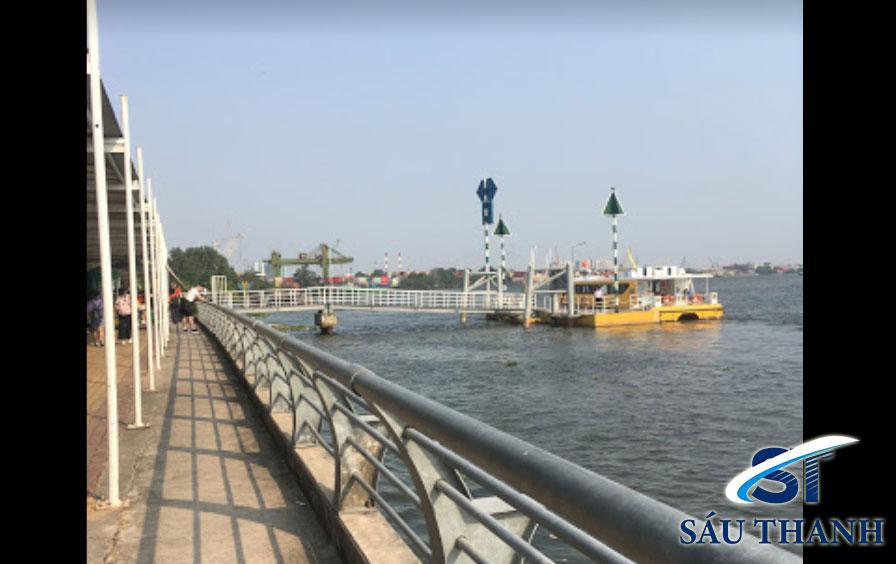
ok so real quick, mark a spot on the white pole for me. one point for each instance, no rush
(500, 287)
(152, 296)
(157, 301)
(530, 292)
(163, 285)
(102, 212)
(167, 281)
(147, 281)
(132, 266)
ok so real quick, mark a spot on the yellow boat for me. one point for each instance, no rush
(646, 295)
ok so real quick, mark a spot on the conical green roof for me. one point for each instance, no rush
(501, 230)
(613, 207)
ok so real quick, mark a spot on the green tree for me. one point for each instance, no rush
(197, 265)
(435, 279)
(306, 277)
(254, 281)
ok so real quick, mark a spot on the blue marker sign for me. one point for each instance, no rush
(486, 193)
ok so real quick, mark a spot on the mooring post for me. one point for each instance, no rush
(530, 292)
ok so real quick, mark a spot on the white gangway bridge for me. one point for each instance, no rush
(486, 295)
(369, 299)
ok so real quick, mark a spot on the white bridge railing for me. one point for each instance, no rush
(373, 298)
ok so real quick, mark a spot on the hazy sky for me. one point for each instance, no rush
(372, 123)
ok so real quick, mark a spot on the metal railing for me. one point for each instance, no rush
(370, 298)
(368, 425)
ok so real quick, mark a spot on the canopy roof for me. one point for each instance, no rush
(115, 186)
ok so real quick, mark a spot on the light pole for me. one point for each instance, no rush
(573, 252)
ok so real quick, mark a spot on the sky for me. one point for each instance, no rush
(370, 125)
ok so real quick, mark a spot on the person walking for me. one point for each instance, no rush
(123, 309)
(95, 318)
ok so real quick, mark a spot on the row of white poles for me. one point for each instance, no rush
(154, 254)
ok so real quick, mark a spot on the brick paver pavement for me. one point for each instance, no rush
(97, 436)
(206, 482)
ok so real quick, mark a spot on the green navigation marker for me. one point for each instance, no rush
(501, 230)
(613, 207)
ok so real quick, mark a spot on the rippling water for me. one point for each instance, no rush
(673, 411)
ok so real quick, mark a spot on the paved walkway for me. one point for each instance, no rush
(204, 483)
(97, 436)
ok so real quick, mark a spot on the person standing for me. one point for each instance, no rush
(95, 318)
(189, 307)
(123, 309)
(174, 304)
(141, 309)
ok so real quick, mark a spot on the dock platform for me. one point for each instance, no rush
(204, 483)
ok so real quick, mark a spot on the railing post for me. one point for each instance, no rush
(349, 462)
(448, 525)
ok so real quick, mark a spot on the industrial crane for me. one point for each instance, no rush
(228, 246)
(323, 256)
(631, 258)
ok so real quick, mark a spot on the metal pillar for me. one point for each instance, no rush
(166, 325)
(163, 283)
(570, 291)
(163, 288)
(503, 269)
(147, 281)
(102, 211)
(500, 287)
(152, 297)
(487, 267)
(132, 267)
(616, 259)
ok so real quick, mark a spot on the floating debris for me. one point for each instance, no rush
(510, 363)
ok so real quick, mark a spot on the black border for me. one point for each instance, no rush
(845, 221)
(844, 386)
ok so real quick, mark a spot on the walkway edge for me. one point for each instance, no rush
(390, 548)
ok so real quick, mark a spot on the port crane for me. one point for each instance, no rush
(323, 256)
(228, 246)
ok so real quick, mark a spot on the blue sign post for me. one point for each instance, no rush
(486, 193)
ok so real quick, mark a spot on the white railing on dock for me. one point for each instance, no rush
(372, 298)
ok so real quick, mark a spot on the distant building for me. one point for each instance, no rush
(766, 268)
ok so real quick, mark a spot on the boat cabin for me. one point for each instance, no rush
(640, 289)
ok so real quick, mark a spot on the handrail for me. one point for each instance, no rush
(442, 449)
(343, 296)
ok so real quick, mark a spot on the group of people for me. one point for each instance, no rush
(122, 306)
(183, 308)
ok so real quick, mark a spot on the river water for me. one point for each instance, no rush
(673, 411)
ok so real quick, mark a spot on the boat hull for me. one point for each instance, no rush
(662, 314)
